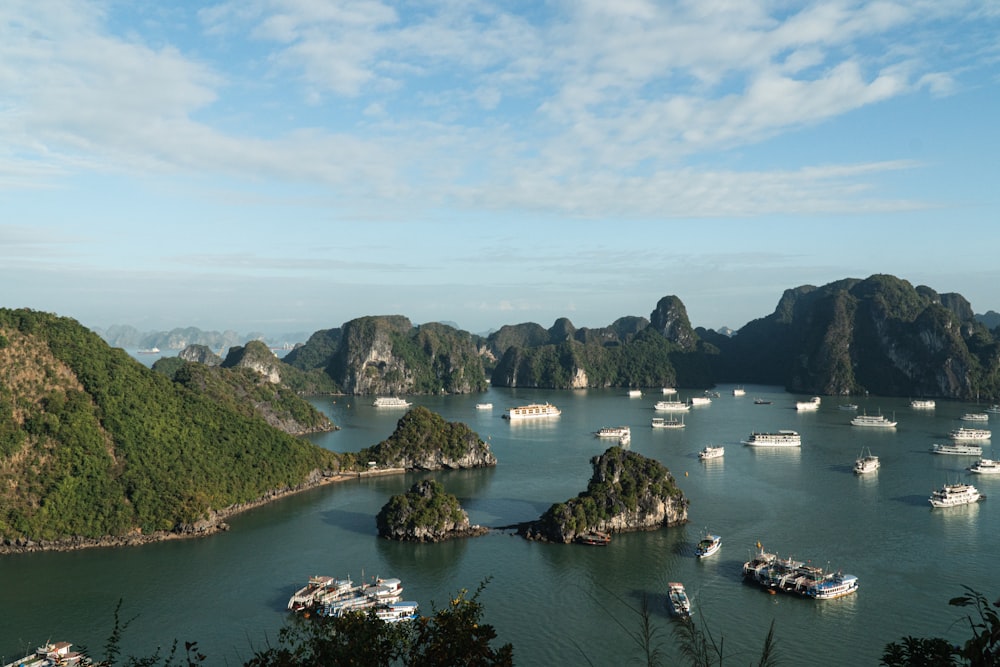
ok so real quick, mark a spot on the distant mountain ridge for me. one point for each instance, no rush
(129, 337)
(880, 334)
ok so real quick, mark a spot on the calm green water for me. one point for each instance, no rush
(557, 603)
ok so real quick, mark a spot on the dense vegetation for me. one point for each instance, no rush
(451, 636)
(623, 482)
(456, 636)
(426, 509)
(423, 437)
(94, 444)
(243, 389)
(448, 637)
(982, 649)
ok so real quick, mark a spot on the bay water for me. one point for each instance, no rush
(572, 604)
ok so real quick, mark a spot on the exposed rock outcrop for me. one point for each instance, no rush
(256, 356)
(201, 354)
(426, 513)
(388, 355)
(879, 335)
(671, 320)
(423, 440)
(627, 492)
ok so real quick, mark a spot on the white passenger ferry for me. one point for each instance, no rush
(53, 654)
(739, 391)
(878, 421)
(635, 393)
(811, 404)
(396, 612)
(951, 495)
(963, 433)
(985, 467)
(710, 452)
(957, 449)
(923, 403)
(975, 417)
(866, 462)
(783, 438)
(533, 411)
(669, 422)
(484, 406)
(391, 402)
(613, 432)
(671, 406)
(699, 400)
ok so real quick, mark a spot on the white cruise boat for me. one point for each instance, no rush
(866, 463)
(975, 417)
(484, 406)
(834, 585)
(711, 452)
(678, 600)
(394, 612)
(533, 411)
(52, 654)
(985, 467)
(739, 391)
(963, 433)
(850, 407)
(635, 393)
(391, 402)
(994, 409)
(951, 495)
(666, 422)
(700, 400)
(878, 421)
(708, 545)
(667, 391)
(671, 406)
(923, 403)
(781, 438)
(957, 449)
(613, 432)
(811, 404)
(308, 594)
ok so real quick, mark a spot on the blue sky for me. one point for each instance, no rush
(288, 165)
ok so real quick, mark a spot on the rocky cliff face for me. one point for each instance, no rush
(388, 355)
(627, 492)
(365, 363)
(671, 320)
(880, 335)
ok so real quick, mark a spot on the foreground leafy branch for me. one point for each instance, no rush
(980, 650)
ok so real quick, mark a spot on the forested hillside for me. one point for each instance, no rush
(93, 443)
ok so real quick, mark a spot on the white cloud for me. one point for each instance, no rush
(589, 107)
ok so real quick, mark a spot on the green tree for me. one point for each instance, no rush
(455, 635)
(452, 636)
(982, 649)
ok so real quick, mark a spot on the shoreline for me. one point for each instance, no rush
(215, 523)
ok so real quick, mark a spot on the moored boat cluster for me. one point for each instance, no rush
(786, 575)
(330, 596)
